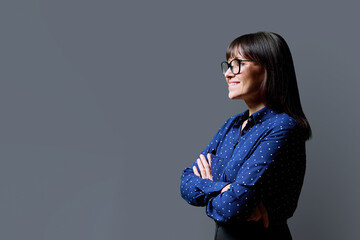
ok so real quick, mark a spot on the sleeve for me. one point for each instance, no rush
(245, 193)
(195, 190)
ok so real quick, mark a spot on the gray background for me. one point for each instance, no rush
(103, 103)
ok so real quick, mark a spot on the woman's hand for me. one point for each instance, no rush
(227, 187)
(260, 213)
(204, 167)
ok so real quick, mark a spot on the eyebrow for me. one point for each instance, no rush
(244, 60)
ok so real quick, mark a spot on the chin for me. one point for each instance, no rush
(233, 97)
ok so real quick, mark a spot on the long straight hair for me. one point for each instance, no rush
(271, 51)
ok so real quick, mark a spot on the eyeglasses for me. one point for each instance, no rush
(234, 65)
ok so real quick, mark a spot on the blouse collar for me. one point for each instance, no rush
(257, 117)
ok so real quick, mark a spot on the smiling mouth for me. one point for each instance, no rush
(233, 84)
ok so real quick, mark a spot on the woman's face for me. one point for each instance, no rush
(247, 82)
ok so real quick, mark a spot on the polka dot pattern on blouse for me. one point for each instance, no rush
(263, 162)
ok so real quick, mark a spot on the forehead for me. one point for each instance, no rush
(234, 52)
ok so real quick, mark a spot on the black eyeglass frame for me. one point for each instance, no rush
(231, 67)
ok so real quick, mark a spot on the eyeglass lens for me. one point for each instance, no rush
(234, 66)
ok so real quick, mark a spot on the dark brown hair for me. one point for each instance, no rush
(271, 51)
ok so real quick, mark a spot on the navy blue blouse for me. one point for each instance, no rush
(263, 162)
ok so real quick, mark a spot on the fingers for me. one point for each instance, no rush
(260, 213)
(209, 158)
(227, 187)
(201, 168)
(255, 216)
(206, 166)
(251, 217)
(196, 172)
(264, 215)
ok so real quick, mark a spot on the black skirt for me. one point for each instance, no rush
(251, 231)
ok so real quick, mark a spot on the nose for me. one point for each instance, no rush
(228, 73)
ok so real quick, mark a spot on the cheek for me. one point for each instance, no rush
(258, 79)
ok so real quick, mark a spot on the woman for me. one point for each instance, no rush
(250, 175)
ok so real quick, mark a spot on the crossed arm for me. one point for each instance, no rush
(259, 213)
